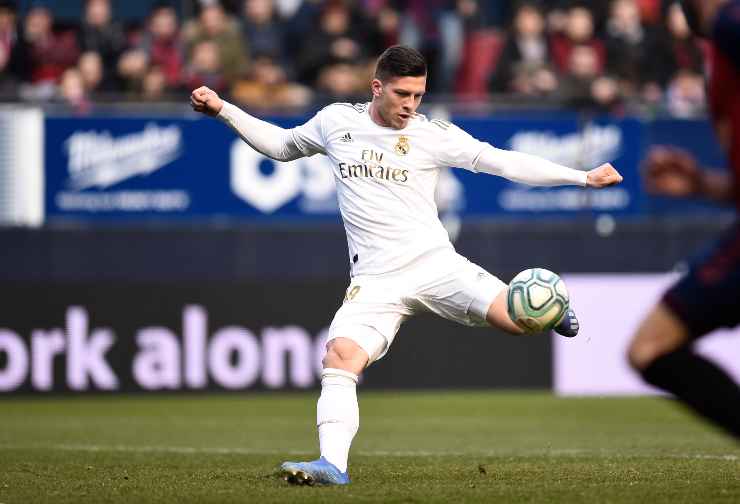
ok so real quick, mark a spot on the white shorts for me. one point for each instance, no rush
(442, 282)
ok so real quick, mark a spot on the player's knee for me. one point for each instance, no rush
(659, 334)
(643, 350)
(343, 353)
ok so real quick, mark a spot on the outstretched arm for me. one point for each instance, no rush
(534, 170)
(272, 141)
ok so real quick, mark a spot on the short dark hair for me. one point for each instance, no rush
(400, 61)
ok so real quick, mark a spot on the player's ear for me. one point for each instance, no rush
(377, 88)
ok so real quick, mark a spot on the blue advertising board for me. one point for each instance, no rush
(107, 169)
(128, 168)
(565, 141)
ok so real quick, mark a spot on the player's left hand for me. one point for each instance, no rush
(603, 176)
(206, 101)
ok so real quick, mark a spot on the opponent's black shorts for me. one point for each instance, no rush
(708, 297)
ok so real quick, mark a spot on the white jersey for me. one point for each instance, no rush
(386, 180)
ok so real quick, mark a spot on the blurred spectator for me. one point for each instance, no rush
(436, 28)
(650, 11)
(159, 46)
(90, 68)
(377, 29)
(154, 86)
(380, 23)
(578, 31)
(388, 23)
(584, 86)
(686, 96)
(8, 33)
(8, 82)
(592, 54)
(333, 41)
(524, 66)
(675, 49)
(558, 13)
(43, 54)
(263, 32)
(630, 46)
(132, 66)
(288, 8)
(685, 51)
(557, 17)
(343, 82)
(99, 33)
(230, 6)
(72, 91)
(215, 30)
(488, 14)
(267, 86)
(206, 67)
(8, 41)
(301, 22)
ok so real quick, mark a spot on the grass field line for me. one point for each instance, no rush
(559, 452)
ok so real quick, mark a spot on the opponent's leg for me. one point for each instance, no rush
(337, 416)
(661, 353)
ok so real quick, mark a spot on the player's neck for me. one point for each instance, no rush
(376, 116)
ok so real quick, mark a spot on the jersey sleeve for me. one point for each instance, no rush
(455, 147)
(309, 136)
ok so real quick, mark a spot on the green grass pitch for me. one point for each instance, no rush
(412, 448)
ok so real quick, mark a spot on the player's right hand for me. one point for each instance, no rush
(670, 171)
(206, 100)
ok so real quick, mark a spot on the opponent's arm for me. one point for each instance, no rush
(534, 170)
(267, 139)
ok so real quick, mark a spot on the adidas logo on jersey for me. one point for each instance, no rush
(347, 138)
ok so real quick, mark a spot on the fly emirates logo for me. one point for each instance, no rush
(372, 166)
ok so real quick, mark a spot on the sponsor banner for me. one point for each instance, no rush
(139, 168)
(170, 168)
(126, 168)
(231, 337)
(610, 309)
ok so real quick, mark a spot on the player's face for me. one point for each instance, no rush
(397, 99)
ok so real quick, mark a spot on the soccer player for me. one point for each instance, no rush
(708, 297)
(386, 160)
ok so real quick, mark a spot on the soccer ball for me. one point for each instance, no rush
(538, 299)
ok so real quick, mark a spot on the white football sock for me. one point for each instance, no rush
(337, 415)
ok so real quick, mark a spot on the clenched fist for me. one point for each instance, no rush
(206, 100)
(603, 176)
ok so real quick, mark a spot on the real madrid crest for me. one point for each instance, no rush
(402, 147)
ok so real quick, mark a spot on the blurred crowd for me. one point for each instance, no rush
(603, 54)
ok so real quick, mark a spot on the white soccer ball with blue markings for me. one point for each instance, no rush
(537, 299)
